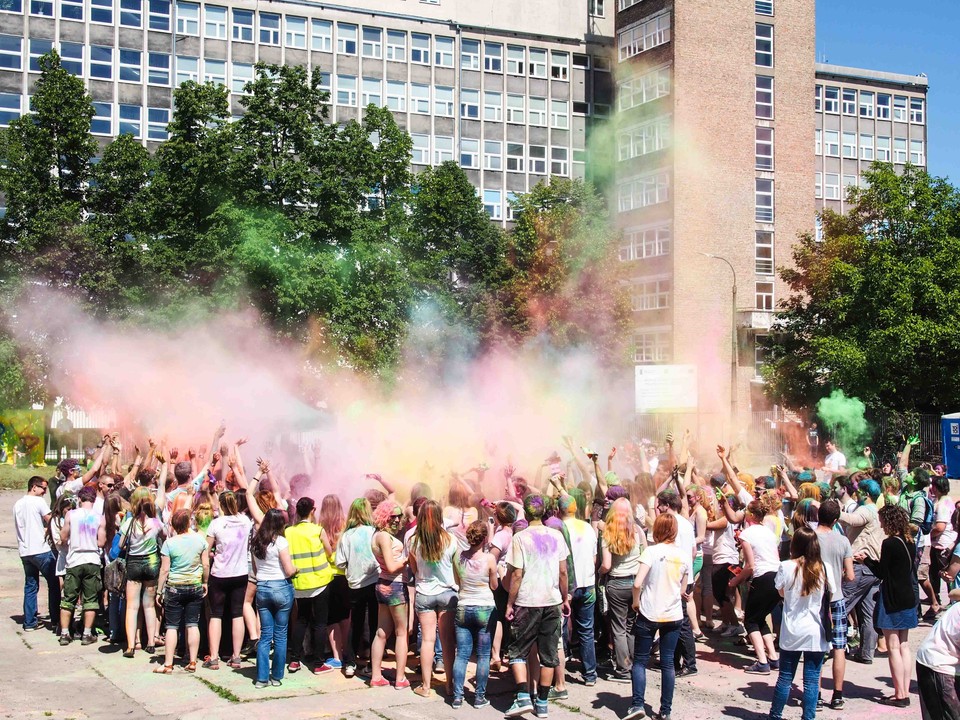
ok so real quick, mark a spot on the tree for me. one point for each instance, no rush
(874, 308)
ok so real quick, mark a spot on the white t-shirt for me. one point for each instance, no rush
(943, 512)
(765, 546)
(538, 551)
(231, 545)
(474, 574)
(686, 541)
(725, 546)
(435, 578)
(269, 567)
(801, 628)
(669, 571)
(56, 525)
(583, 547)
(940, 651)
(82, 545)
(835, 460)
(355, 556)
(501, 541)
(28, 514)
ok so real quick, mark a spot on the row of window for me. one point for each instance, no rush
(645, 242)
(108, 119)
(828, 185)
(652, 346)
(654, 294)
(645, 88)
(494, 155)
(650, 294)
(643, 191)
(643, 36)
(643, 139)
(865, 146)
(868, 104)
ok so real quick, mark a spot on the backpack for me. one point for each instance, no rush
(928, 514)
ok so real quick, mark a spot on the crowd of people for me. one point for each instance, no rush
(606, 572)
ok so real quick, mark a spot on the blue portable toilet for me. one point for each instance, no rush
(950, 433)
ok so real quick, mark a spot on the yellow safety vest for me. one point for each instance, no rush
(308, 555)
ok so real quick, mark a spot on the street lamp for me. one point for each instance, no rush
(733, 337)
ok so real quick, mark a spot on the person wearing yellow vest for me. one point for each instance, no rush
(310, 551)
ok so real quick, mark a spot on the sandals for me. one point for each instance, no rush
(163, 670)
(211, 663)
(129, 653)
(191, 667)
(235, 662)
(150, 649)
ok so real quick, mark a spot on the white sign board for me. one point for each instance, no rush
(666, 388)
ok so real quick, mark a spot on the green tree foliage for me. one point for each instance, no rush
(875, 306)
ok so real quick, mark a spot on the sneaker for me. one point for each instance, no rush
(621, 676)
(350, 669)
(438, 667)
(521, 705)
(65, 639)
(457, 703)
(558, 694)
(294, 667)
(590, 682)
(329, 666)
(858, 658)
(774, 664)
(261, 685)
(540, 708)
(382, 682)
(633, 713)
(480, 701)
(403, 684)
(88, 639)
(758, 669)
(686, 671)
(836, 703)
(31, 628)
(275, 683)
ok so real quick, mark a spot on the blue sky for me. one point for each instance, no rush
(909, 38)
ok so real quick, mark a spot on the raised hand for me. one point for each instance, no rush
(721, 452)
(613, 453)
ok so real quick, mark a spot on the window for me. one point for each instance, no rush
(883, 148)
(643, 139)
(130, 116)
(763, 252)
(71, 9)
(559, 114)
(651, 347)
(650, 295)
(131, 65)
(764, 296)
(641, 243)
(764, 148)
(443, 101)
(443, 51)
(849, 102)
(516, 59)
(511, 201)
(643, 36)
(470, 104)
(601, 110)
(41, 7)
(12, 6)
(346, 39)
(899, 108)
(595, 8)
(850, 145)
(624, 4)
(760, 356)
(899, 150)
(818, 142)
(764, 99)
(295, 32)
(643, 191)
(11, 52)
(515, 157)
(397, 95)
(493, 106)
(493, 57)
(916, 110)
(442, 149)
(492, 155)
(470, 54)
(763, 7)
(537, 111)
(848, 182)
(102, 123)
(188, 68)
(157, 120)
(763, 55)
(347, 90)
(538, 63)
(469, 153)
(71, 57)
(159, 15)
(397, 45)
(866, 146)
(831, 187)
(188, 18)
(818, 98)
(269, 29)
(600, 63)
(131, 13)
(764, 200)
(866, 104)
(241, 74)
(243, 25)
(326, 85)
(215, 22)
(883, 107)
(515, 109)
(559, 65)
(537, 159)
(372, 92)
(916, 152)
(215, 71)
(581, 61)
(831, 142)
(420, 98)
(645, 88)
(101, 11)
(421, 149)
(492, 204)
(372, 46)
(158, 69)
(420, 49)
(558, 161)
(101, 62)
(831, 100)
(818, 185)
(37, 48)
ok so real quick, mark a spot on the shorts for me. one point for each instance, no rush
(339, 609)
(540, 625)
(923, 570)
(697, 567)
(706, 576)
(391, 593)
(143, 568)
(226, 596)
(838, 616)
(82, 580)
(445, 601)
(721, 583)
(182, 603)
(761, 601)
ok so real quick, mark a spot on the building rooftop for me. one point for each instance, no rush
(919, 81)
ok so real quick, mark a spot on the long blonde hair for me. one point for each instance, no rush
(618, 528)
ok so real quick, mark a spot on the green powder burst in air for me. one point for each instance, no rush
(846, 420)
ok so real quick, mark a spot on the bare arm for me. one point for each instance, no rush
(95, 467)
(492, 571)
(164, 574)
(747, 571)
(102, 532)
(205, 563)
(386, 551)
(568, 444)
(787, 483)
(848, 569)
(65, 530)
(516, 575)
(286, 562)
(607, 560)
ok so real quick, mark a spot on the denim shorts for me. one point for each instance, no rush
(446, 600)
(391, 593)
(182, 603)
(143, 568)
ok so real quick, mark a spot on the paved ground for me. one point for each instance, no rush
(97, 682)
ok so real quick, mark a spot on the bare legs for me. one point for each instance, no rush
(391, 619)
(901, 662)
(148, 592)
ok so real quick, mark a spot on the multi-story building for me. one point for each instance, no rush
(506, 89)
(863, 116)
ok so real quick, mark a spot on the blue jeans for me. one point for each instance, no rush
(789, 660)
(274, 603)
(33, 567)
(582, 612)
(474, 626)
(643, 633)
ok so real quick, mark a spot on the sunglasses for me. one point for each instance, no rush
(109, 485)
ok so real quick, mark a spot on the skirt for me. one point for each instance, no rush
(899, 620)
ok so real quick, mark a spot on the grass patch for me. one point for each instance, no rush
(219, 690)
(15, 478)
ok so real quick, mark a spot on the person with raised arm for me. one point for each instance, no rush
(391, 594)
(142, 533)
(84, 533)
(188, 482)
(74, 476)
(355, 557)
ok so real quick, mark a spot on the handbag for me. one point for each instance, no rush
(115, 573)
(826, 619)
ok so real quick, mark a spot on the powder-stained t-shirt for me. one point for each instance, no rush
(355, 556)
(583, 547)
(669, 571)
(231, 545)
(538, 551)
(185, 552)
